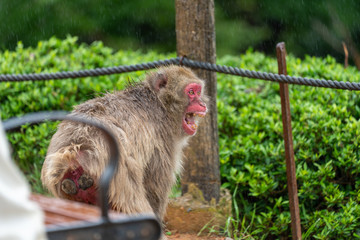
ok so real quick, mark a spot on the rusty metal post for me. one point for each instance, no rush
(289, 150)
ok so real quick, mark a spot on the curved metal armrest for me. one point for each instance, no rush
(149, 223)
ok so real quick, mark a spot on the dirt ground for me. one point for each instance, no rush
(190, 214)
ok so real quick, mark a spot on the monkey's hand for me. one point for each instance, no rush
(79, 186)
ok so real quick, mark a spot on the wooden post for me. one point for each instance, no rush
(195, 35)
(289, 150)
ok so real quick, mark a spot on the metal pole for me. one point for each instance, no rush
(289, 150)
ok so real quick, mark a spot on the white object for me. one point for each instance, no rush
(20, 218)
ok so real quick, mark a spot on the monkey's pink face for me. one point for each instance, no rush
(196, 108)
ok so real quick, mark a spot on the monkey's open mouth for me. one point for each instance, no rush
(190, 123)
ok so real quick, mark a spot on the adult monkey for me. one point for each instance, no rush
(152, 120)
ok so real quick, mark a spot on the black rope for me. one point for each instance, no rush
(86, 73)
(184, 62)
(272, 76)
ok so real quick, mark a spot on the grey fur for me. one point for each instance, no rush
(147, 121)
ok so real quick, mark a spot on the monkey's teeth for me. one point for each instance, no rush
(190, 115)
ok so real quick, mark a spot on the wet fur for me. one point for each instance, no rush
(147, 123)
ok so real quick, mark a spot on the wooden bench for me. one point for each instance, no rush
(65, 219)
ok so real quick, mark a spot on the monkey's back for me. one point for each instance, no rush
(152, 122)
(141, 125)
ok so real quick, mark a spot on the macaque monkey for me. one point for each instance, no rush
(152, 121)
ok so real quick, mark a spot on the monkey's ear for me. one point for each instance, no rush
(160, 81)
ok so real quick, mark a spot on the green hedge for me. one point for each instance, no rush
(325, 128)
(326, 143)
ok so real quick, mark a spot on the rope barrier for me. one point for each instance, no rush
(272, 76)
(184, 62)
(86, 73)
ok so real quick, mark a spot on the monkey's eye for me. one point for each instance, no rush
(191, 92)
(198, 93)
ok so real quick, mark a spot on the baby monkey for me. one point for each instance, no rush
(152, 122)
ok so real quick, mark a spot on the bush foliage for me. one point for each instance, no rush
(325, 128)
